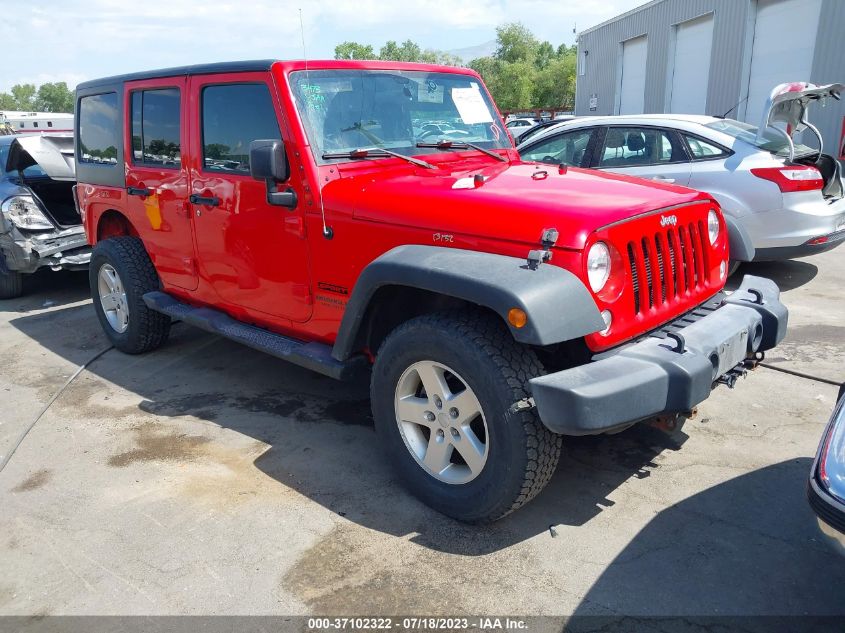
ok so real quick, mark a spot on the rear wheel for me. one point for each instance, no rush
(120, 274)
(442, 390)
(11, 285)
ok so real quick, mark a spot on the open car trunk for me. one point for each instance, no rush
(786, 111)
(54, 175)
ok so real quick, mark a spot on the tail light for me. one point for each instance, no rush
(794, 178)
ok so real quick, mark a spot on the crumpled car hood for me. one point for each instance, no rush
(52, 152)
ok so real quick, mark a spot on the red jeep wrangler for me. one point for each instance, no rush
(374, 216)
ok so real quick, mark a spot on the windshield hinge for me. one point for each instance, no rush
(547, 240)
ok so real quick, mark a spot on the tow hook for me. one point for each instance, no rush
(753, 362)
(671, 422)
(733, 375)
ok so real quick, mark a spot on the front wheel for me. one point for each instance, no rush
(442, 391)
(120, 274)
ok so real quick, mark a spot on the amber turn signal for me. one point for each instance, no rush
(517, 317)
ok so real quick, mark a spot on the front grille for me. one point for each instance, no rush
(669, 265)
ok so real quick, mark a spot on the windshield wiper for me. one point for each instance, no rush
(463, 145)
(374, 152)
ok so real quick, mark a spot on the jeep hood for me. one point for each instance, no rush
(53, 153)
(788, 104)
(505, 202)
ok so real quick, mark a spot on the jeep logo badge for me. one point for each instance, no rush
(666, 220)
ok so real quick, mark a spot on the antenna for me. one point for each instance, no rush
(327, 230)
(738, 103)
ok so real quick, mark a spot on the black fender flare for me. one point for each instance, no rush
(558, 305)
(739, 241)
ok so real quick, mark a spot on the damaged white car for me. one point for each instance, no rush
(39, 223)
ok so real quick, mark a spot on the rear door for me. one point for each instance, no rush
(254, 254)
(645, 152)
(157, 178)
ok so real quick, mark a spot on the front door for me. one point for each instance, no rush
(253, 254)
(645, 152)
(157, 179)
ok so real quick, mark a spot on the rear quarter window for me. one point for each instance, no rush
(99, 129)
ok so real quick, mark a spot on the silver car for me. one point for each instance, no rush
(787, 197)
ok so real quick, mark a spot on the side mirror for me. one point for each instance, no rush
(267, 160)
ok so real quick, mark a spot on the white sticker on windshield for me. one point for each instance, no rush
(471, 106)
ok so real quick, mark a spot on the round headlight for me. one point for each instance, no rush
(598, 266)
(712, 226)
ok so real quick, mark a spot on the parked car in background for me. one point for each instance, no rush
(39, 224)
(826, 488)
(520, 135)
(517, 125)
(787, 196)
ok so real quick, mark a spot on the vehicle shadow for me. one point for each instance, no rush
(787, 274)
(46, 288)
(745, 547)
(320, 433)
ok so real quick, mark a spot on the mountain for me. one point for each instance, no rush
(468, 53)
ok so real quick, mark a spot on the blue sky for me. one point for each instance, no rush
(74, 40)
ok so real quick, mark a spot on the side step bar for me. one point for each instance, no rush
(314, 356)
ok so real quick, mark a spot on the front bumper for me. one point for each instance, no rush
(26, 253)
(659, 376)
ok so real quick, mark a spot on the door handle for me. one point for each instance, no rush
(206, 201)
(139, 191)
(663, 179)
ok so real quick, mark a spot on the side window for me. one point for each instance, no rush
(633, 147)
(99, 129)
(568, 148)
(701, 149)
(155, 127)
(234, 115)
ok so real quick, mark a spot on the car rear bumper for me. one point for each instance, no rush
(659, 376)
(785, 233)
(26, 253)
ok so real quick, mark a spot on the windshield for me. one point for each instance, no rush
(344, 110)
(773, 141)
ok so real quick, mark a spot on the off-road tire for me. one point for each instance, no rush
(11, 285)
(523, 453)
(147, 329)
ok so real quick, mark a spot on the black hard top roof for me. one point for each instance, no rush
(198, 69)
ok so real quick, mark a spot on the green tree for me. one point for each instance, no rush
(545, 54)
(555, 85)
(515, 43)
(515, 86)
(7, 102)
(24, 95)
(216, 150)
(354, 50)
(54, 97)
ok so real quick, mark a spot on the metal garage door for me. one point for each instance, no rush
(632, 83)
(691, 68)
(784, 39)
